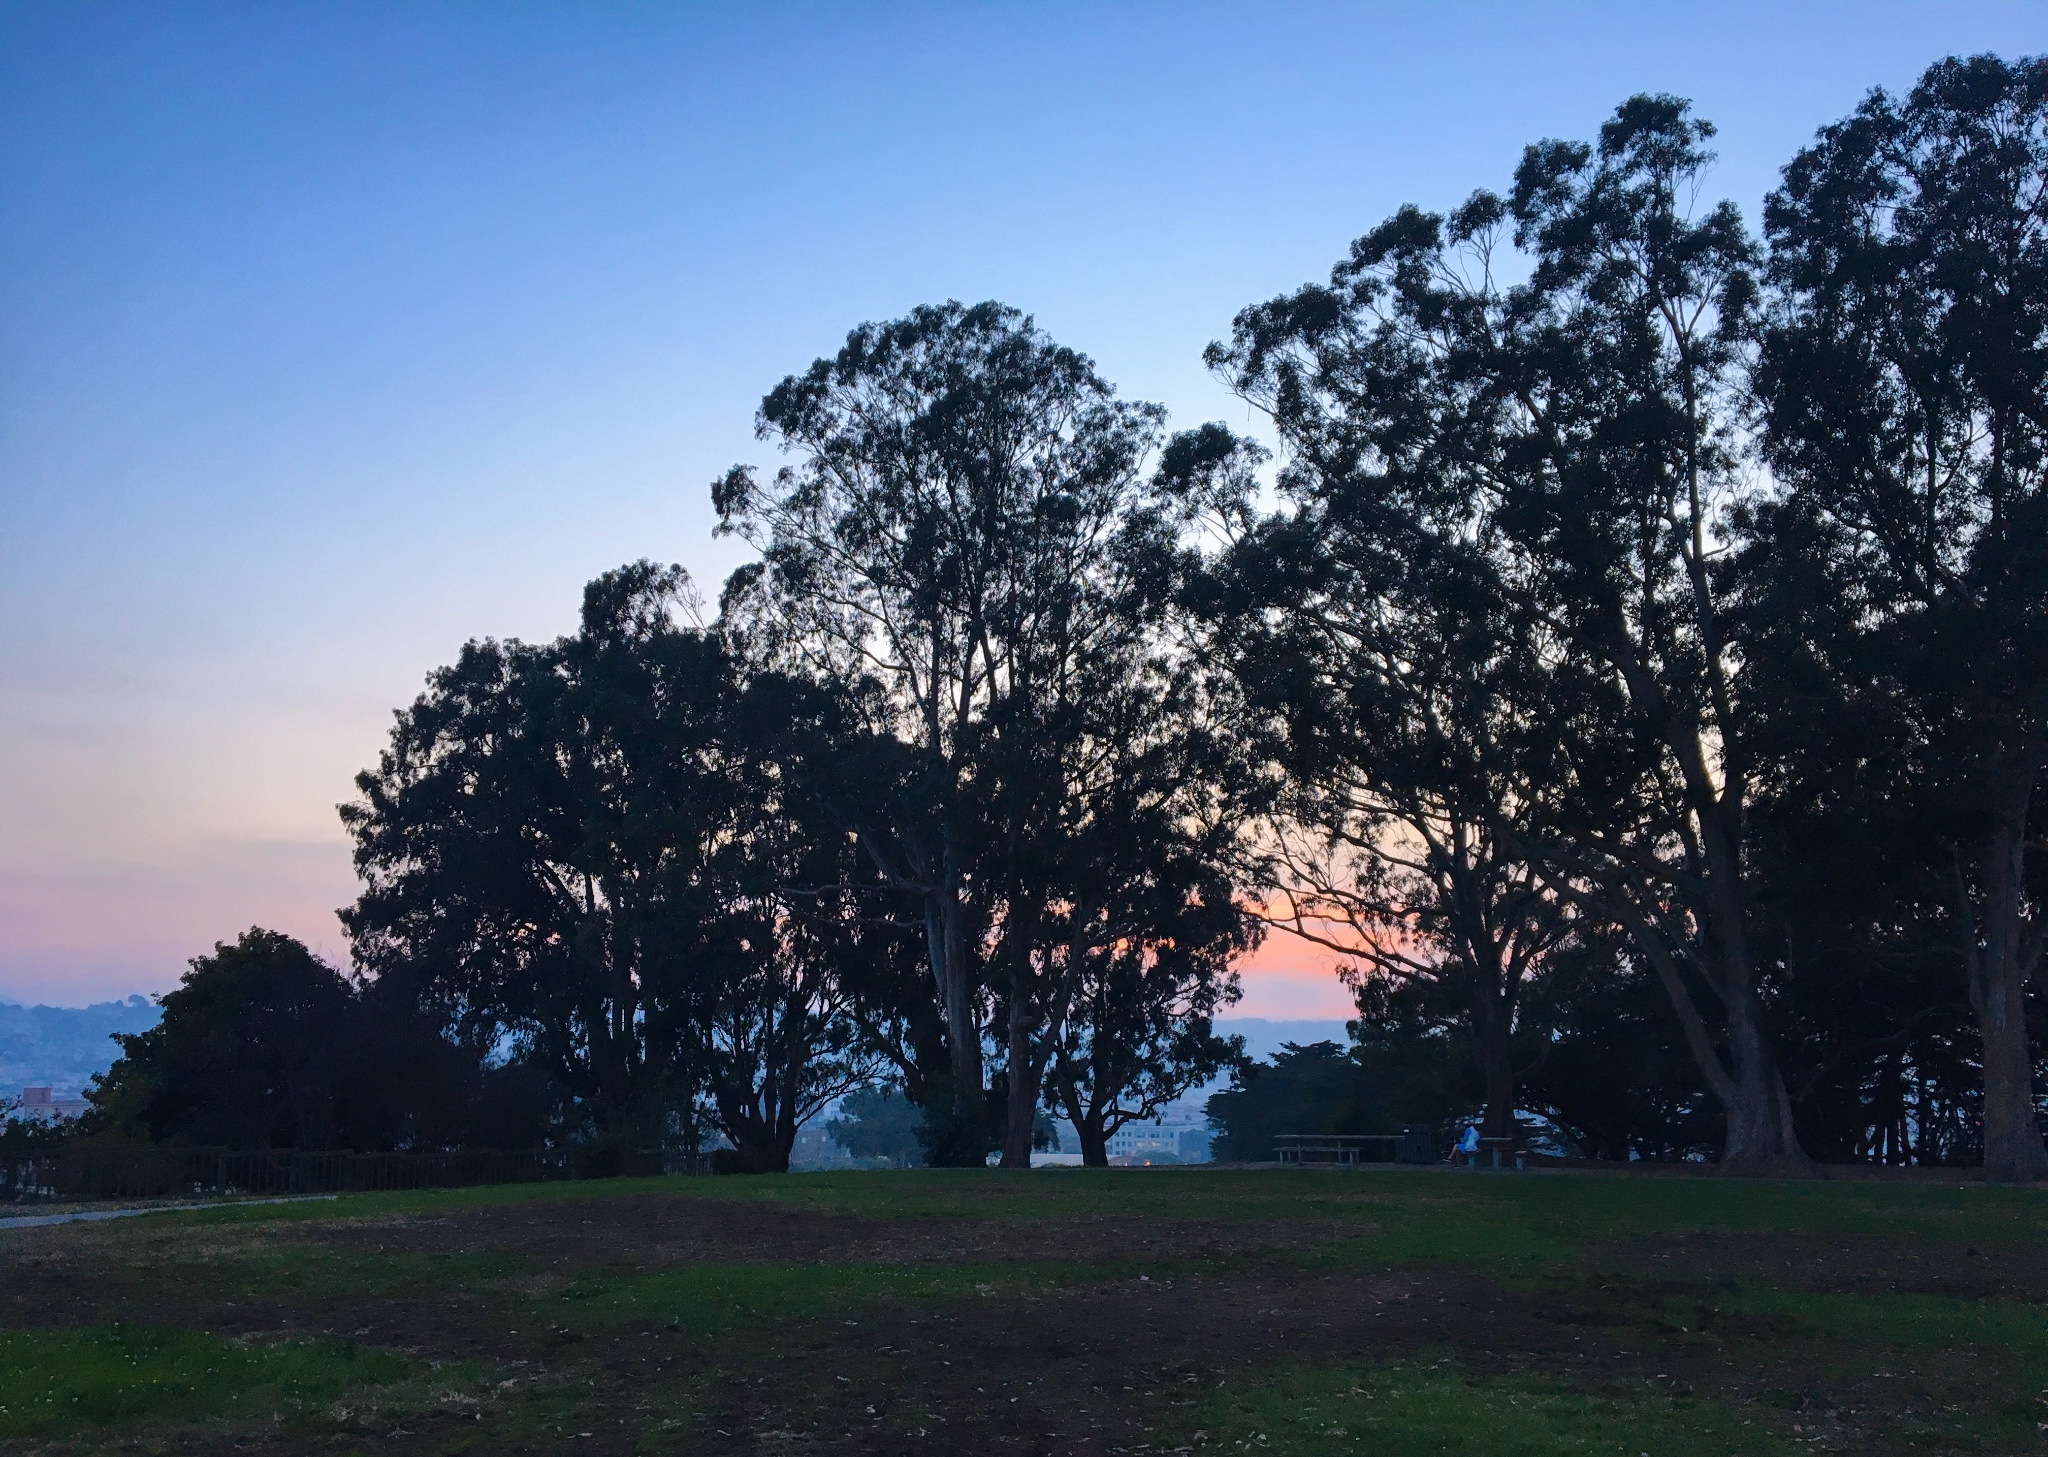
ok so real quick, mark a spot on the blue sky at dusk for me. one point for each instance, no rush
(332, 335)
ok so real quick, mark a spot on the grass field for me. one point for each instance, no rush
(1214, 1312)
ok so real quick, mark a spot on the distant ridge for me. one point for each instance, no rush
(1264, 1036)
(63, 1047)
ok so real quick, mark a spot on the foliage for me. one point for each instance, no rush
(967, 539)
(23, 1140)
(263, 1045)
(1902, 372)
(607, 850)
(1633, 663)
(1559, 445)
(1320, 1088)
(1610, 1078)
(1385, 669)
(878, 1123)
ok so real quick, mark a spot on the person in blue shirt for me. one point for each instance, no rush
(1469, 1145)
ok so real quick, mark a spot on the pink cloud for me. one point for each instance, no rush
(1288, 977)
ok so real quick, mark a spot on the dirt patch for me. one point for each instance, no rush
(95, 1275)
(1839, 1264)
(1096, 1370)
(654, 1231)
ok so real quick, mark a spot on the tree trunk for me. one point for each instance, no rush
(2013, 1150)
(1088, 1127)
(1022, 1109)
(754, 1145)
(1496, 1060)
(963, 1035)
(962, 1142)
(763, 1155)
(1761, 1137)
(1094, 1143)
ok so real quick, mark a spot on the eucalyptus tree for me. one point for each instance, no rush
(1904, 382)
(963, 533)
(591, 847)
(1143, 906)
(1384, 667)
(783, 1036)
(1571, 433)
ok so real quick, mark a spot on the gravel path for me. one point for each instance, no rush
(32, 1221)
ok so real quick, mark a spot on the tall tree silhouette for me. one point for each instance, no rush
(605, 849)
(1574, 430)
(1904, 377)
(967, 529)
(1380, 662)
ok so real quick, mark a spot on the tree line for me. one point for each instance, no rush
(1632, 660)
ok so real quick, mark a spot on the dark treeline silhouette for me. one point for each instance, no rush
(1634, 661)
(263, 1045)
(1676, 613)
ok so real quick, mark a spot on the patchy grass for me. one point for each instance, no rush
(1434, 1408)
(74, 1380)
(1060, 1311)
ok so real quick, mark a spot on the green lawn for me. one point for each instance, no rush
(1060, 1311)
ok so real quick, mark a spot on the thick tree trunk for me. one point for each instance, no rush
(1088, 1127)
(755, 1148)
(2013, 1150)
(1094, 1144)
(1761, 1136)
(963, 1033)
(763, 1156)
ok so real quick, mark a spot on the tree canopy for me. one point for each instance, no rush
(1627, 655)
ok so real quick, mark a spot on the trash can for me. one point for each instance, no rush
(1417, 1145)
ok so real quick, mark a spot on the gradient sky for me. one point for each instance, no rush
(332, 335)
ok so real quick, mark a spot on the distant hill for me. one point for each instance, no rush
(1263, 1038)
(63, 1047)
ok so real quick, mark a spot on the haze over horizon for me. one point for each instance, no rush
(333, 336)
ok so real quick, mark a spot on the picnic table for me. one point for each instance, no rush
(1497, 1147)
(1348, 1150)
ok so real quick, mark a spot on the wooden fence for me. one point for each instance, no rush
(84, 1174)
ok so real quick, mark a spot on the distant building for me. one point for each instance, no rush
(1170, 1139)
(816, 1150)
(44, 1107)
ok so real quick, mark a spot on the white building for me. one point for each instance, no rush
(1179, 1141)
(44, 1107)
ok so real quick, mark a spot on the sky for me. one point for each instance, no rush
(333, 335)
